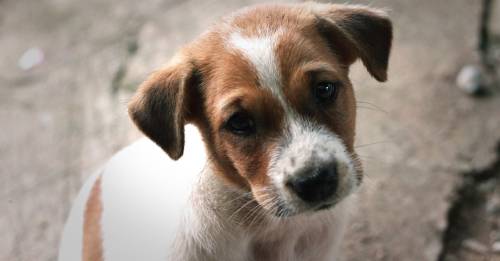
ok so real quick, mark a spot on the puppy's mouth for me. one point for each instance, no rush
(284, 211)
(324, 206)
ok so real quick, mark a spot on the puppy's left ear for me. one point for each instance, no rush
(357, 32)
(165, 102)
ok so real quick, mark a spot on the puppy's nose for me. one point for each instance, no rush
(315, 184)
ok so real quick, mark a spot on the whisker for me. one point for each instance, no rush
(254, 211)
(268, 199)
(253, 214)
(373, 143)
(372, 160)
(243, 195)
(373, 106)
(241, 208)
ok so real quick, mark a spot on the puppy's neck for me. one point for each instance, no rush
(215, 190)
(229, 215)
(236, 206)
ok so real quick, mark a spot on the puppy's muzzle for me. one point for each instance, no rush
(315, 184)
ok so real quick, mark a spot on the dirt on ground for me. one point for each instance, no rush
(425, 144)
(473, 231)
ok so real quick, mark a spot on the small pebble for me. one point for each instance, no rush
(30, 58)
(496, 247)
(470, 79)
(493, 205)
(475, 246)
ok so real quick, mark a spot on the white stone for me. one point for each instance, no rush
(470, 79)
(496, 247)
(475, 246)
(30, 58)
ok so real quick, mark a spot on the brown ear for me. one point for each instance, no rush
(359, 32)
(161, 106)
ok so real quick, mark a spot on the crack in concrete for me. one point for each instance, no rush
(468, 217)
(121, 72)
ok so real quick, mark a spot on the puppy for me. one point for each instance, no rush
(267, 175)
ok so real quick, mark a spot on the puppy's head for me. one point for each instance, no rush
(269, 90)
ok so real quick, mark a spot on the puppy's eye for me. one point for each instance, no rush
(325, 92)
(241, 124)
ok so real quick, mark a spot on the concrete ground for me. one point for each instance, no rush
(65, 117)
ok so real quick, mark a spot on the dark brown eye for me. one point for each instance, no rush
(241, 124)
(325, 92)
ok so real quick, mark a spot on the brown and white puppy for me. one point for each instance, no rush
(268, 177)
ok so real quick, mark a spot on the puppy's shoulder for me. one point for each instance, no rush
(144, 158)
(146, 194)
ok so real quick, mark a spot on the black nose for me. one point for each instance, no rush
(315, 184)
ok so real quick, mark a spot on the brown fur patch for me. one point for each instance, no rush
(92, 232)
(249, 156)
(305, 60)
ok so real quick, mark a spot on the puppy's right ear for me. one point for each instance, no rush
(357, 32)
(162, 105)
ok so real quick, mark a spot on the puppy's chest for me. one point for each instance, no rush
(293, 243)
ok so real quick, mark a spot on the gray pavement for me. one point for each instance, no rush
(65, 117)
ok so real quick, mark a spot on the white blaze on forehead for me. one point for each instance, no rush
(260, 52)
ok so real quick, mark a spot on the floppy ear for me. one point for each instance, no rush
(162, 105)
(357, 32)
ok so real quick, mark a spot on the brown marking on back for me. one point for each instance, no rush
(92, 231)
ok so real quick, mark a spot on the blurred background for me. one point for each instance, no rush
(427, 137)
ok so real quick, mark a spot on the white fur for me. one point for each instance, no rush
(260, 52)
(144, 195)
(145, 192)
(306, 143)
